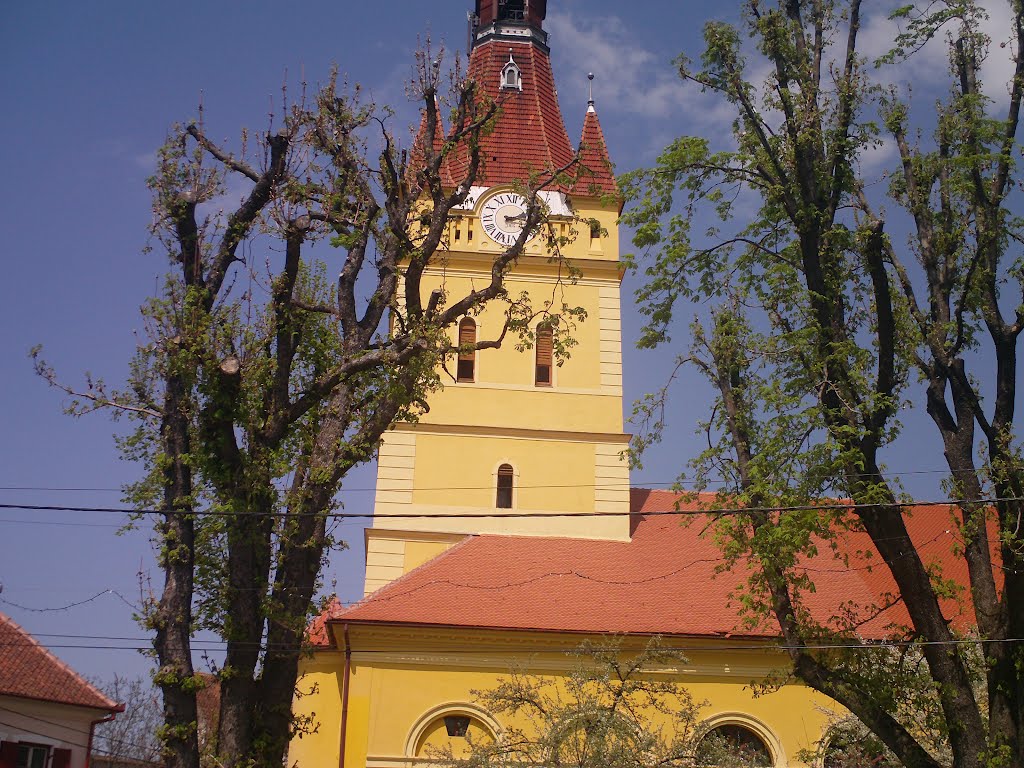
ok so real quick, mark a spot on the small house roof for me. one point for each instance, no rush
(28, 670)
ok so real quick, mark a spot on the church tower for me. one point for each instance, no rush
(517, 438)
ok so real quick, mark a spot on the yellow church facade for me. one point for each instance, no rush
(505, 530)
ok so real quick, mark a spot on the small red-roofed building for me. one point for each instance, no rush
(47, 710)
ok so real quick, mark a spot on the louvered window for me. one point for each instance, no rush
(466, 369)
(542, 377)
(505, 480)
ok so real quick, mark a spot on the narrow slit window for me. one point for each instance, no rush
(505, 480)
(466, 367)
(542, 376)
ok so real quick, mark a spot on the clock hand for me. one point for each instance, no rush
(520, 217)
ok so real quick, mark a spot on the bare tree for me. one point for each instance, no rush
(605, 711)
(134, 733)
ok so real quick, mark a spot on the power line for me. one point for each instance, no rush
(611, 582)
(97, 596)
(837, 506)
(371, 489)
(754, 644)
(63, 524)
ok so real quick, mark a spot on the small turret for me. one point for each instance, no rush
(595, 177)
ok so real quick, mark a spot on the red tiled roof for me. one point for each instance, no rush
(529, 134)
(595, 177)
(665, 580)
(28, 670)
(317, 633)
(417, 154)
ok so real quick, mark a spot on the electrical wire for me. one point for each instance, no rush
(97, 596)
(833, 507)
(717, 560)
(753, 644)
(61, 524)
(713, 481)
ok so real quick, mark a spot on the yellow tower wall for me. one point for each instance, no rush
(564, 441)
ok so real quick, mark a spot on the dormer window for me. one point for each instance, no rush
(511, 75)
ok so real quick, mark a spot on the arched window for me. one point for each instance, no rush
(451, 728)
(542, 375)
(466, 368)
(724, 744)
(506, 478)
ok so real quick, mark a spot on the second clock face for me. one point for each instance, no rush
(503, 216)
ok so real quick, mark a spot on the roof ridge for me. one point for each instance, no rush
(111, 704)
(540, 111)
(532, 537)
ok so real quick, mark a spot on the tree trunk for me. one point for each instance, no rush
(173, 618)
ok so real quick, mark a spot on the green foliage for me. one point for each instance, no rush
(814, 321)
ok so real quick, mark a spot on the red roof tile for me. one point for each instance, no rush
(529, 135)
(317, 633)
(595, 176)
(417, 156)
(28, 670)
(665, 580)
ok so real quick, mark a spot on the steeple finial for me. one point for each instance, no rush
(590, 97)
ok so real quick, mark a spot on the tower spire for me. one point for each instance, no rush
(595, 177)
(510, 61)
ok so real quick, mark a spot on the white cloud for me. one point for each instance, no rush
(877, 158)
(929, 67)
(628, 78)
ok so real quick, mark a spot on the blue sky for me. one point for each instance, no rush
(90, 91)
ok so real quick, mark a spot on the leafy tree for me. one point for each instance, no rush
(820, 322)
(607, 711)
(262, 383)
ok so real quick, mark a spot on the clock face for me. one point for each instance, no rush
(503, 217)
